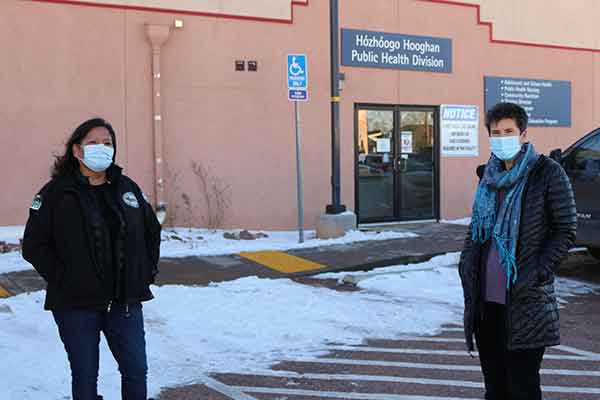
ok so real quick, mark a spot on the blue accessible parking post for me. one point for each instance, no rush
(297, 77)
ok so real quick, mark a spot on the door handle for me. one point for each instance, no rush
(400, 164)
(403, 164)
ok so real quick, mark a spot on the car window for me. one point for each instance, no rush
(586, 156)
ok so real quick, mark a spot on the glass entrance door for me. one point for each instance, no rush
(395, 163)
(375, 168)
(416, 172)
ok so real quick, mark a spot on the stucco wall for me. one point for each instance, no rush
(65, 63)
(570, 23)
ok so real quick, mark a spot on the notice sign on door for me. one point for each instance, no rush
(384, 145)
(459, 130)
(407, 142)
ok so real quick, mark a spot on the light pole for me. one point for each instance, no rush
(335, 207)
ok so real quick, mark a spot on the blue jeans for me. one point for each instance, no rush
(80, 333)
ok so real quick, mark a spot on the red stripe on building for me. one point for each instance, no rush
(490, 25)
(198, 13)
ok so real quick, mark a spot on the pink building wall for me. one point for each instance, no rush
(64, 63)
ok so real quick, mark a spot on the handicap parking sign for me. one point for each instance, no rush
(296, 71)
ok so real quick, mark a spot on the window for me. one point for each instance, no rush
(586, 156)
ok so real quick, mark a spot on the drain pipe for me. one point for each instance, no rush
(158, 35)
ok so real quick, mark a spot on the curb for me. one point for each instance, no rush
(369, 266)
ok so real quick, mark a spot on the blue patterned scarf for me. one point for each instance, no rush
(501, 224)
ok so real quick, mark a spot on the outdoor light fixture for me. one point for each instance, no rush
(178, 24)
(161, 212)
(342, 79)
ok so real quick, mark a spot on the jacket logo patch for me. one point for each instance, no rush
(37, 202)
(130, 199)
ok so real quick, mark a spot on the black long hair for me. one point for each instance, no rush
(67, 164)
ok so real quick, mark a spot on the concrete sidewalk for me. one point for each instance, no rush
(434, 239)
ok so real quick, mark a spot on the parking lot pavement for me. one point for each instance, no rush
(422, 368)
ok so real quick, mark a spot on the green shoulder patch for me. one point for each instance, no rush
(37, 202)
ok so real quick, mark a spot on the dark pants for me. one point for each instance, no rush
(80, 333)
(508, 375)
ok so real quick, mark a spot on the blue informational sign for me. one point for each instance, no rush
(297, 95)
(392, 50)
(296, 71)
(548, 103)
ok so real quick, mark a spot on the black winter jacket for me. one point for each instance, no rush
(61, 242)
(547, 232)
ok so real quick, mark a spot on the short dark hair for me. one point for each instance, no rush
(67, 163)
(507, 110)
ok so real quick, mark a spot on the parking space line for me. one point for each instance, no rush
(342, 395)
(583, 353)
(224, 389)
(368, 378)
(447, 367)
(453, 329)
(395, 364)
(461, 353)
(430, 339)
(566, 349)
(418, 381)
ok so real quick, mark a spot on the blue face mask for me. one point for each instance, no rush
(505, 148)
(98, 157)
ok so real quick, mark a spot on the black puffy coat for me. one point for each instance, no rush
(547, 232)
(61, 242)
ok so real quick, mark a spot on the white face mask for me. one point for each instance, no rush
(98, 157)
(505, 148)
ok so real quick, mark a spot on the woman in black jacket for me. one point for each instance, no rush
(524, 222)
(95, 239)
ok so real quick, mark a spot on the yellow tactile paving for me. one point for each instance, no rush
(282, 262)
(4, 293)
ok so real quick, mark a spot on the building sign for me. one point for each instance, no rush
(548, 103)
(459, 130)
(396, 51)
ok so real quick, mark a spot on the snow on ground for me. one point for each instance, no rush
(462, 221)
(12, 262)
(202, 242)
(446, 260)
(242, 325)
(397, 280)
(11, 234)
